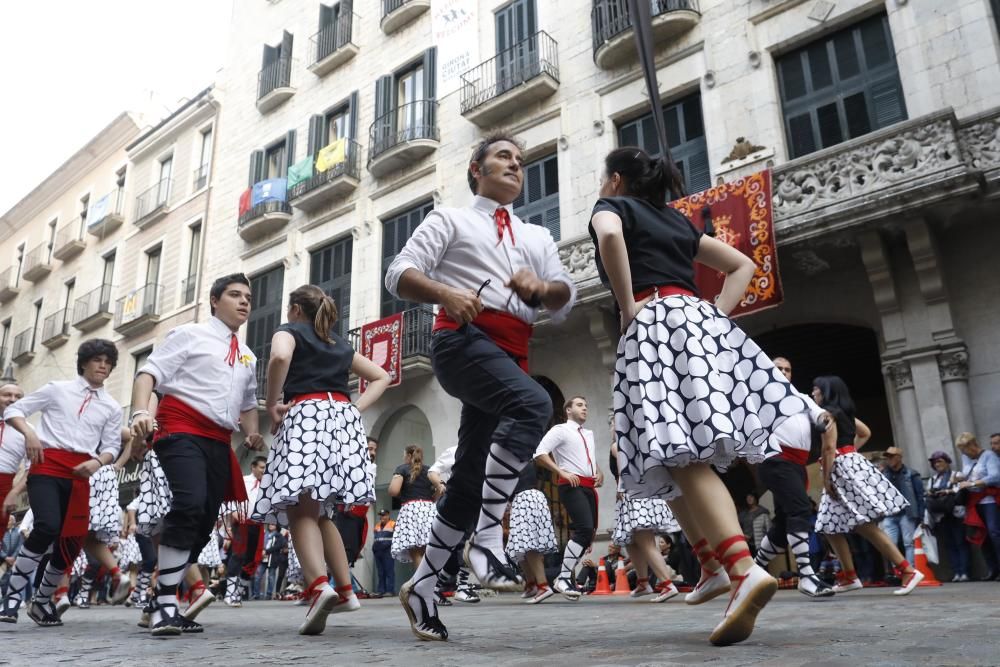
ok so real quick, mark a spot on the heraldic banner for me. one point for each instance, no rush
(382, 342)
(742, 217)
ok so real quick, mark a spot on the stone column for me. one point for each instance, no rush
(909, 412)
(933, 413)
(953, 366)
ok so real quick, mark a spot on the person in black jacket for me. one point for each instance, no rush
(276, 558)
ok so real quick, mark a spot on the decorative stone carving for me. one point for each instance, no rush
(578, 258)
(981, 143)
(742, 149)
(821, 11)
(914, 151)
(900, 374)
(954, 365)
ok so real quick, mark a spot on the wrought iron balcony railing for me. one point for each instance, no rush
(351, 166)
(55, 325)
(153, 200)
(610, 18)
(200, 177)
(24, 344)
(334, 36)
(92, 304)
(277, 74)
(139, 304)
(510, 68)
(404, 123)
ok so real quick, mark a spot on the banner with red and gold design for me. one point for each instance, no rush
(382, 342)
(742, 217)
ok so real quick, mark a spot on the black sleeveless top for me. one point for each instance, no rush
(845, 427)
(418, 489)
(527, 480)
(316, 365)
(661, 243)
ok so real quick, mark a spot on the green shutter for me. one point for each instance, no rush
(289, 152)
(256, 166)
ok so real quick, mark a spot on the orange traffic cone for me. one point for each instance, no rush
(603, 584)
(921, 563)
(621, 579)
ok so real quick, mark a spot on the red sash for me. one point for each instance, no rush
(508, 332)
(60, 463)
(846, 449)
(972, 518)
(586, 483)
(322, 396)
(665, 290)
(6, 483)
(798, 456)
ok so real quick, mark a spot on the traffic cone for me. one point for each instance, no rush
(621, 580)
(921, 563)
(603, 584)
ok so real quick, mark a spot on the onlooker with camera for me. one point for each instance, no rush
(980, 476)
(947, 515)
(904, 523)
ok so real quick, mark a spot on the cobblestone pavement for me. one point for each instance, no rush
(957, 624)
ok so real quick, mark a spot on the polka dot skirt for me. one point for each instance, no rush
(294, 573)
(413, 528)
(154, 496)
(530, 526)
(865, 496)
(322, 450)
(105, 513)
(691, 387)
(129, 553)
(642, 514)
(210, 556)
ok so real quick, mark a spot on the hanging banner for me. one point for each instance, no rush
(132, 305)
(332, 155)
(456, 34)
(98, 210)
(742, 216)
(382, 342)
(273, 189)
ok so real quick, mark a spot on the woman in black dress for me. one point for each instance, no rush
(692, 391)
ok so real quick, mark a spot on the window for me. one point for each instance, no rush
(265, 316)
(109, 269)
(685, 136)
(84, 207)
(517, 52)
(34, 326)
(206, 151)
(163, 185)
(276, 70)
(70, 288)
(274, 161)
(153, 265)
(840, 87)
(404, 104)
(338, 122)
(52, 236)
(189, 284)
(330, 269)
(396, 231)
(334, 28)
(409, 89)
(20, 264)
(538, 203)
(995, 5)
(4, 344)
(139, 360)
(120, 188)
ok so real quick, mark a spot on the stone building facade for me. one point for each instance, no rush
(879, 118)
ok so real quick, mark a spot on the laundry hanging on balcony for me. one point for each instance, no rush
(272, 189)
(332, 155)
(245, 201)
(98, 210)
(300, 171)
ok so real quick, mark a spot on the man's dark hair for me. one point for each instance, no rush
(220, 285)
(91, 349)
(483, 147)
(258, 459)
(372, 438)
(568, 404)
(994, 435)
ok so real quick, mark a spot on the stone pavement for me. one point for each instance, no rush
(958, 624)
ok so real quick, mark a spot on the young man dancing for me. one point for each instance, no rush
(491, 274)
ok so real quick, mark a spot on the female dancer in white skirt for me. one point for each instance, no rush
(531, 535)
(692, 391)
(638, 522)
(856, 495)
(413, 524)
(320, 453)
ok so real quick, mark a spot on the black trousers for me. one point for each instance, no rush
(792, 510)
(197, 470)
(48, 498)
(581, 506)
(148, 552)
(500, 403)
(238, 561)
(350, 528)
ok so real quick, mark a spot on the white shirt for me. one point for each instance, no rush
(191, 365)
(75, 417)
(11, 449)
(572, 447)
(253, 489)
(796, 431)
(459, 247)
(444, 463)
(134, 505)
(27, 523)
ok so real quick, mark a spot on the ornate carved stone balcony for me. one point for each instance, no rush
(979, 138)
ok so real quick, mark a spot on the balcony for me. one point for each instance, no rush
(327, 186)
(274, 85)
(332, 45)
(611, 24)
(265, 218)
(398, 13)
(416, 344)
(106, 214)
(188, 287)
(152, 204)
(403, 136)
(200, 178)
(511, 81)
(69, 241)
(138, 311)
(93, 309)
(8, 284)
(37, 263)
(55, 329)
(24, 347)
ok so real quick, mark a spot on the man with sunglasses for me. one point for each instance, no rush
(480, 356)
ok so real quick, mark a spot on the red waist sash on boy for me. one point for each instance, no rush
(60, 463)
(793, 455)
(508, 332)
(175, 417)
(586, 483)
(6, 483)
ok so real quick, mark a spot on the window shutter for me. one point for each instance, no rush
(430, 73)
(289, 152)
(384, 120)
(353, 110)
(538, 203)
(256, 166)
(325, 16)
(699, 176)
(286, 44)
(888, 103)
(315, 135)
(270, 55)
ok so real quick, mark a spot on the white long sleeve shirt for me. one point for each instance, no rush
(459, 247)
(191, 365)
(796, 431)
(11, 449)
(444, 463)
(572, 446)
(75, 417)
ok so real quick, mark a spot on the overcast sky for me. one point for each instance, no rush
(71, 66)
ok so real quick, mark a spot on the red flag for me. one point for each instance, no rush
(245, 201)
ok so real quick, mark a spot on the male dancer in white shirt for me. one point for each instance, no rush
(209, 387)
(247, 536)
(12, 482)
(785, 477)
(80, 431)
(491, 274)
(569, 451)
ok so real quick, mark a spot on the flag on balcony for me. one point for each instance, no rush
(332, 155)
(300, 171)
(245, 201)
(742, 216)
(382, 342)
(98, 210)
(273, 189)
